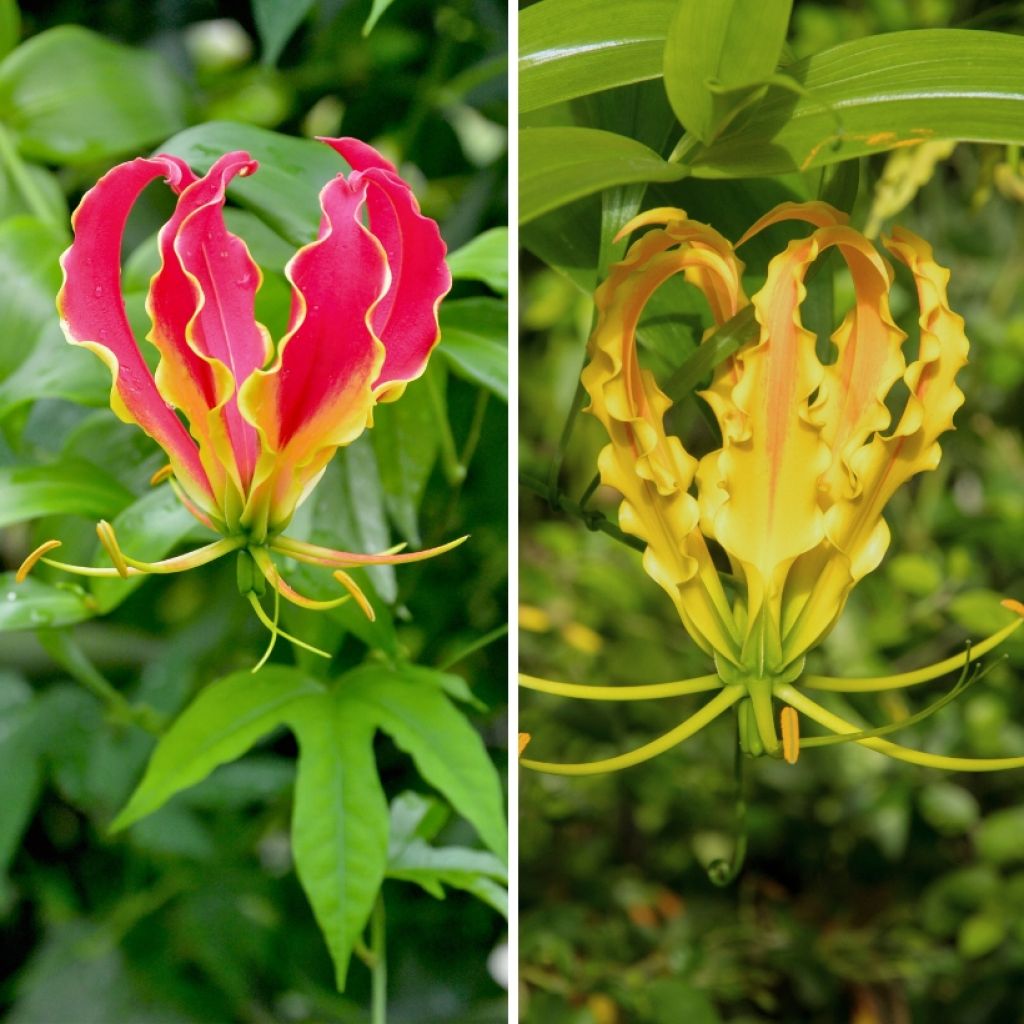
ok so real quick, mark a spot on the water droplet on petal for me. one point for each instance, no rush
(98, 291)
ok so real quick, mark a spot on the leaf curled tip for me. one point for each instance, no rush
(30, 562)
(524, 741)
(1011, 603)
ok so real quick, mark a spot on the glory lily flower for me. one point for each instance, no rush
(263, 419)
(809, 457)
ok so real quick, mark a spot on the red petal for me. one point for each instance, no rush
(406, 318)
(202, 304)
(92, 310)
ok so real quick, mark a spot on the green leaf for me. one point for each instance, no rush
(569, 48)
(484, 258)
(221, 724)
(414, 816)
(35, 360)
(448, 752)
(376, 10)
(285, 190)
(715, 53)
(340, 820)
(890, 90)
(999, 836)
(20, 773)
(405, 441)
(474, 871)
(148, 529)
(14, 201)
(34, 604)
(69, 488)
(107, 99)
(276, 22)
(474, 340)
(10, 26)
(558, 165)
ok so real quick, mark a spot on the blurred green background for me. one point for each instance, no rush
(196, 914)
(873, 892)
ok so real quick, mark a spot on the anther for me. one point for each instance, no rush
(161, 475)
(353, 588)
(30, 563)
(524, 740)
(790, 722)
(108, 539)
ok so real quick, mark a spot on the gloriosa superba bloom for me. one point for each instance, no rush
(263, 420)
(810, 455)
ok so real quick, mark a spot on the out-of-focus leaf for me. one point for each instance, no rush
(949, 808)
(876, 94)
(148, 529)
(74, 489)
(558, 165)
(485, 258)
(340, 821)
(285, 190)
(447, 750)
(474, 340)
(999, 836)
(376, 10)
(10, 26)
(405, 440)
(13, 202)
(570, 48)
(35, 360)
(34, 604)
(981, 933)
(221, 724)
(717, 54)
(88, 112)
(19, 766)
(276, 22)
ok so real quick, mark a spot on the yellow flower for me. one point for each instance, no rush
(810, 456)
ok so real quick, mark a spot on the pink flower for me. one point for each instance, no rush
(261, 419)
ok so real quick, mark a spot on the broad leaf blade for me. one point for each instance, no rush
(569, 48)
(475, 871)
(474, 340)
(340, 820)
(221, 724)
(716, 48)
(62, 488)
(896, 89)
(412, 709)
(484, 258)
(558, 165)
(34, 604)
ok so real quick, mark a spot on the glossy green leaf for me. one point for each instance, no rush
(221, 724)
(558, 165)
(87, 112)
(474, 340)
(569, 48)
(875, 94)
(35, 360)
(405, 441)
(285, 190)
(447, 750)
(149, 529)
(377, 8)
(76, 489)
(276, 22)
(716, 53)
(475, 871)
(34, 604)
(484, 258)
(340, 819)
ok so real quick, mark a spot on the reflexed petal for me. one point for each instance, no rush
(202, 305)
(317, 394)
(651, 470)
(406, 317)
(92, 310)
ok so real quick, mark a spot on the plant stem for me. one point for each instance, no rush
(454, 470)
(379, 968)
(22, 179)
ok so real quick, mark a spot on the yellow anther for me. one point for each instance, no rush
(790, 723)
(524, 739)
(161, 475)
(353, 588)
(1014, 606)
(108, 539)
(30, 563)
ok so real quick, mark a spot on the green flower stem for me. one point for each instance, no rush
(379, 966)
(19, 173)
(705, 716)
(872, 684)
(814, 711)
(61, 646)
(649, 691)
(481, 642)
